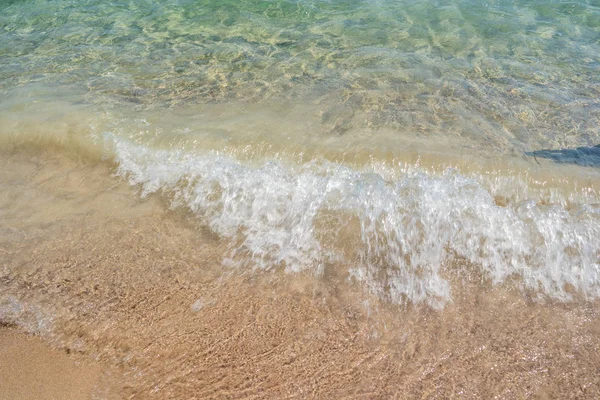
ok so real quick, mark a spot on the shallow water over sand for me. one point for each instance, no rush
(306, 198)
(501, 76)
(100, 273)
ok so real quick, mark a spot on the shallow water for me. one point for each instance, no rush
(501, 76)
(412, 154)
(98, 273)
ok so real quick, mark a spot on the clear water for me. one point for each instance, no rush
(296, 128)
(503, 75)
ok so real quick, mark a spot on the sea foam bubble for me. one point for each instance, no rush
(397, 233)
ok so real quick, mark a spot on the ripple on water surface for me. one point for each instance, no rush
(503, 76)
(290, 127)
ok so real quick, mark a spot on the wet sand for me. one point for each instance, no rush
(31, 369)
(141, 289)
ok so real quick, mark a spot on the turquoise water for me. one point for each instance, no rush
(281, 124)
(505, 75)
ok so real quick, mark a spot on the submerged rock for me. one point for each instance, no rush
(585, 156)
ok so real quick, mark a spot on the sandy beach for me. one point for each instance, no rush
(299, 199)
(107, 282)
(32, 369)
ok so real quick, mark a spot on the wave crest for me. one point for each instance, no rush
(396, 235)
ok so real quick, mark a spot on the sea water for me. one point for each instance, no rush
(305, 198)
(399, 139)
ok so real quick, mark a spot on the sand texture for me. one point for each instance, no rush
(31, 369)
(98, 273)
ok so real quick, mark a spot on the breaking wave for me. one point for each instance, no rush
(397, 232)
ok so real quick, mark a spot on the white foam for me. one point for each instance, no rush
(29, 317)
(407, 229)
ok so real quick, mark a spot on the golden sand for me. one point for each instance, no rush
(31, 369)
(141, 290)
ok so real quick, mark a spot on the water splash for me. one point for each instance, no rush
(396, 235)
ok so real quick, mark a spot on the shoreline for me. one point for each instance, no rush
(30, 368)
(140, 288)
(299, 200)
